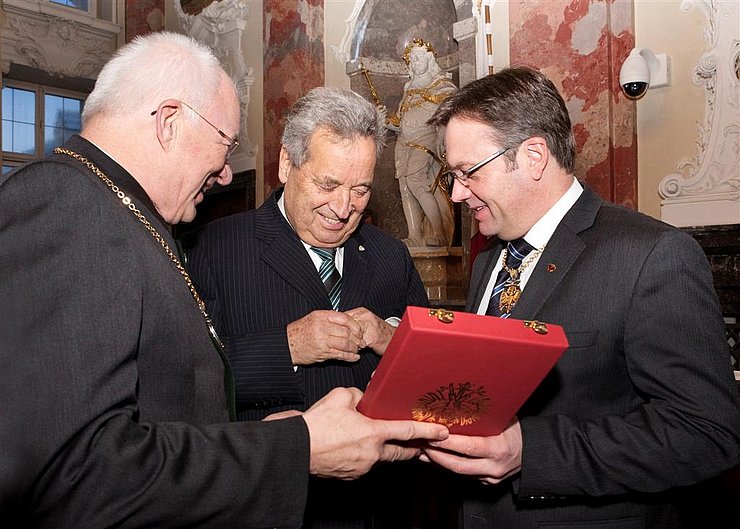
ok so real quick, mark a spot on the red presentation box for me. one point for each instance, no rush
(469, 372)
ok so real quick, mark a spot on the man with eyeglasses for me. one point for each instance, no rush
(643, 402)
(305, 295)
(116, 394)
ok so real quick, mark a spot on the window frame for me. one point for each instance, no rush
(16, 159)
(93, 8)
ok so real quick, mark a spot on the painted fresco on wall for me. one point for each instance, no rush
(294, 63)
(581, 46)
(144, 16)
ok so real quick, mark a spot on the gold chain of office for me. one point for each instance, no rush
(512, 288)
(126, 201)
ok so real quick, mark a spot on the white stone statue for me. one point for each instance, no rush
(220, 26)
(428, 211)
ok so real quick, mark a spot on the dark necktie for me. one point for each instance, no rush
(330, 276)
(507, 290)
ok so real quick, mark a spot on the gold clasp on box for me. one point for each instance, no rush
(445, 316)
(536, 326)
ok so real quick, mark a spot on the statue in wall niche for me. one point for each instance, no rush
(418, 155)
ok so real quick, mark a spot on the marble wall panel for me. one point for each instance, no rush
(580, 46)
(144, 16)
(293, 64)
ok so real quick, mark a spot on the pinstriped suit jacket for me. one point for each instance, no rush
(255, 276)
(642, 401)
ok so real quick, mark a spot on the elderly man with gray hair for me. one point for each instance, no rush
(304, 294)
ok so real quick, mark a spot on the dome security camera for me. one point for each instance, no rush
(642, 69)
(634, 76)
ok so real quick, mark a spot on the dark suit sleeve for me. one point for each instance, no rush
(263, 371)
(74, 451)
(683, 421)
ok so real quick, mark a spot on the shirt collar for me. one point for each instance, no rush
(339, 256)
(539, 234)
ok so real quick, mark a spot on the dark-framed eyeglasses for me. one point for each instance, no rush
(448, 177)
(233, 143)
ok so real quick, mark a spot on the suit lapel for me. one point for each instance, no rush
(561, 252)
(356, 274)
(284, 253)
(481, 274)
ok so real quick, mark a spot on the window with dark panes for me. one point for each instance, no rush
(77, 4)
(101, 9)
(61, 120)
(36, 119)
(19, 121)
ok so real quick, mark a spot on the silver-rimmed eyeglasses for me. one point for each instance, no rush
(448, 177)
(233, 143)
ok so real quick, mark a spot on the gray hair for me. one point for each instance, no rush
(150, 69)
(342, 112)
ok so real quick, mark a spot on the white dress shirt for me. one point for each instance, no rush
(538, 236)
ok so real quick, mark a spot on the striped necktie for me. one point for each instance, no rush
(507, 290)
(329, 274)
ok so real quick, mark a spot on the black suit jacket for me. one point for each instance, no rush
(256, 277)
(114, 410)
(641, 402)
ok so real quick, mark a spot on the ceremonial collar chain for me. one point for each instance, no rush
(515, 271)
(512, 286)
(126, 201)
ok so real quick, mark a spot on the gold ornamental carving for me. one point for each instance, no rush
(452, 404)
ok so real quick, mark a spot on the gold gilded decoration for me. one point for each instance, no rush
(416, 41)
(371, 86)
(442, 161)
(452, 405)
(509, 295)
(512, 287)
(536, 326)
(394, 119)
(445, 316)
(415, 97)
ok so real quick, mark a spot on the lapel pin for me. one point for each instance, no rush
(551, 268)
(361, 248)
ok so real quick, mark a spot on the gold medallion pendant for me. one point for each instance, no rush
(509, 297)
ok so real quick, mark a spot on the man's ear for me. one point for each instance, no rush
(284, 165)
(167, 120)
(536, 155)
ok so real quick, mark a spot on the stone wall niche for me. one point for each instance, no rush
(377, 35)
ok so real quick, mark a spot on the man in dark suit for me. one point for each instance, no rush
(261, 278)
(115, 402)
(643, 401)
